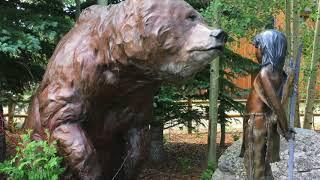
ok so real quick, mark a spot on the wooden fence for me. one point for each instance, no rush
(196, 102)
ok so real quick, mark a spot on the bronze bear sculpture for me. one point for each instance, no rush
(96, 97)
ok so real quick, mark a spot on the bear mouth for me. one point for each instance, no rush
(219, 48)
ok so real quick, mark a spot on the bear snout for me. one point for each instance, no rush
(219, 34)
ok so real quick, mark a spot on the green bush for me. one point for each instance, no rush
(34, 160)
(207, 174)
(185, 164)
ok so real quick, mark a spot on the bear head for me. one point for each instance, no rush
(165, 38)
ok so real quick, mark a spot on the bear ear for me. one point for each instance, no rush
(132, 31)
(133, 41)
(91, 12)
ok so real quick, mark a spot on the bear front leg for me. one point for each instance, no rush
(136, 153)
(77, 150)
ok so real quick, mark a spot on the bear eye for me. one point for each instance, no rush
(192, 17)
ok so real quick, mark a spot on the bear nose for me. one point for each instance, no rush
(219, 34)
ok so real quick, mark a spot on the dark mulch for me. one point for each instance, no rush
(186, 158)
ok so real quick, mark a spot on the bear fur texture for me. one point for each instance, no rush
(97, 93)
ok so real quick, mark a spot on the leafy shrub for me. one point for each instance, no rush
(207, 174)
(185, 164)
(34, 160)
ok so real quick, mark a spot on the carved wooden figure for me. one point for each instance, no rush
(266, 117)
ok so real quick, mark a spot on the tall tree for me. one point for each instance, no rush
(311, 92)
(288, 31)
(294, 23)
(213, 110)
(213, 96)
(293, 41)
(288, 27)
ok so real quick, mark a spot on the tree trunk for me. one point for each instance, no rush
(78, 9)
(189, 120)
(294, 28)
(213, 111)
(312, 81)
(157, 153)
(293, 42)
(288, 27)
(223, 134)
(213, 98)
(11, 108)
(288, 36)
(2, 139)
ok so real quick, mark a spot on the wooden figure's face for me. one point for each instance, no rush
(259, 54)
